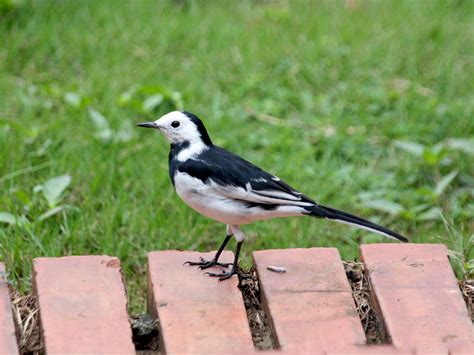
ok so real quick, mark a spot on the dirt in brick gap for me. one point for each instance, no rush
(467, 290)
(262, 335)
(369, 317)
(145, 331)
(25, 312)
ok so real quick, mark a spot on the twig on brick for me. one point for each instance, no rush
(278, 269)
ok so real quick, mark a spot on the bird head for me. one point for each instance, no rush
(179, 127)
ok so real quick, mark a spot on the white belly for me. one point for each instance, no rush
(207, 200)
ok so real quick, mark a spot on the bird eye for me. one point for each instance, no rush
(175, 124)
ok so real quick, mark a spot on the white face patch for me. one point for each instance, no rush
(178, 128)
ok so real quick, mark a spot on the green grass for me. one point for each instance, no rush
(350, 92)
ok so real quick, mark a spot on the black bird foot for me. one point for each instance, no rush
(205, 264)
(227, 275)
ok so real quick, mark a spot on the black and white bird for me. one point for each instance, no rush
(223, 186)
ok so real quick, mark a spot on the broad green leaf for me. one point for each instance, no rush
(444, 182)
(53, 188)
(7, 218)
(465, 145)
(419, 208)
(148, 98)
(429, 215)
(99, 120)
(125, 133)
(368, 195)
(416, 149)
(73, 99)
(124, 98)
(152, 102)
(55, 210)
(43, 149)
(390, 207)
(52, 211)
(177, 100)
(104, 133)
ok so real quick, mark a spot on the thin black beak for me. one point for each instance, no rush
(147, 125)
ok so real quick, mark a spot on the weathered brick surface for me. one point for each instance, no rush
(419, 298)
(197, 314)
(311, 305)
(8, 343)
(372, 350)
(83, 305)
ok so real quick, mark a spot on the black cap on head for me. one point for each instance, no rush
(200, 126)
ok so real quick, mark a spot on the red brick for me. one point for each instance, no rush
(417, 293)
(8, 343)
(83, 305)
(372, 350)
(407, 252)
(310, 306)
(197, 314)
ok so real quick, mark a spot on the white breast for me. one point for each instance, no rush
(211, 200)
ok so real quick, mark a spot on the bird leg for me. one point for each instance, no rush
(205, 264)
(235, 269)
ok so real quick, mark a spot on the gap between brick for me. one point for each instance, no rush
(26, 316)
(263, 336)
(366, 304)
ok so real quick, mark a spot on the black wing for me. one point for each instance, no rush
(240, 179)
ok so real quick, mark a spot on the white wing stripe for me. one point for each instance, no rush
(250, 195)
(276, 194)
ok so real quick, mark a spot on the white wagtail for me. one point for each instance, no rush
(231, 190)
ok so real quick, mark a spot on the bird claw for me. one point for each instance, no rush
(205, 264)
(223, 275)
(227, 275)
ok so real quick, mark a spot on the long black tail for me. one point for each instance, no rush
(347, 218)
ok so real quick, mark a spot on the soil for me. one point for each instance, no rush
(370, 318)
(25, 312)
(467, 290)
(145, 331)
(262, 335)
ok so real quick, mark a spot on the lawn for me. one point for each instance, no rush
(366, 106)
